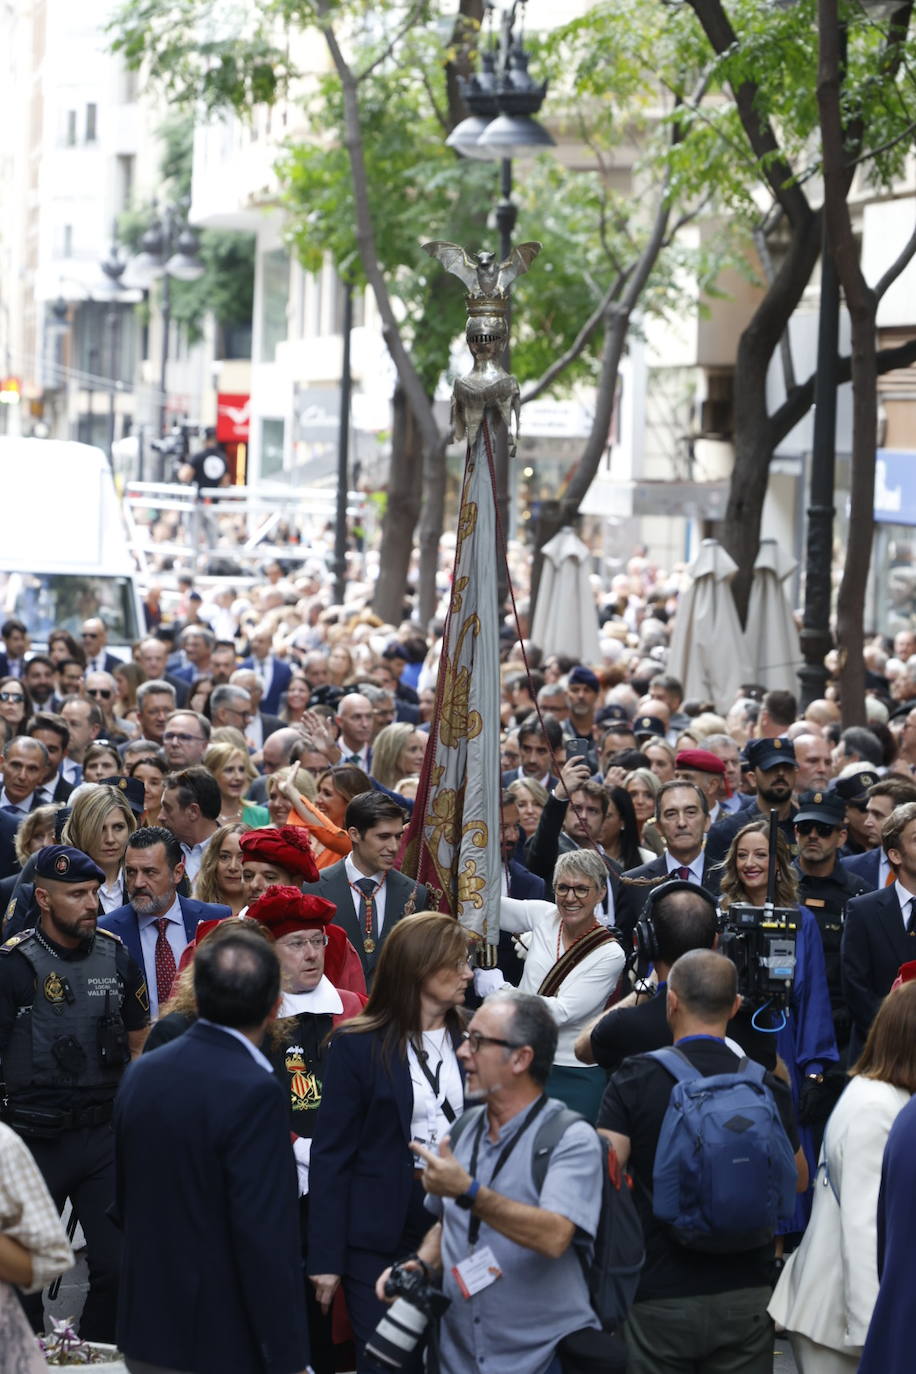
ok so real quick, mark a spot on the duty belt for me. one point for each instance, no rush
(33, 1121)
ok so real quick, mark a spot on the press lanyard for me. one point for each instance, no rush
(474, 1222)
(446, 1108)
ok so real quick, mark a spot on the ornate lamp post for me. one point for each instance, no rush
(503, 99)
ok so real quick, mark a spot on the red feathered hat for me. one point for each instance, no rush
(285, 909)
(288, 848)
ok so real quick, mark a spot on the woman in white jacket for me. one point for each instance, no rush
(827, 1290)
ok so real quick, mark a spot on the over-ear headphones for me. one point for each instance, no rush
(645, 937)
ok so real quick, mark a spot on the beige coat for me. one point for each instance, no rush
(828, 1287)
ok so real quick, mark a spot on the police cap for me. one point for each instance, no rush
(61, 863)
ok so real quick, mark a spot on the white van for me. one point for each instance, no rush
(63, 544)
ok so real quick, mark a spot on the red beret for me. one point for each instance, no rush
(905, 974)
(700, 759)
(285, 909)
(287, 847)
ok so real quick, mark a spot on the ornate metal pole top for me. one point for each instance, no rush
(486, 331)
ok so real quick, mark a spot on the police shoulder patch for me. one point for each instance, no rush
(15, 940)
(100, 930)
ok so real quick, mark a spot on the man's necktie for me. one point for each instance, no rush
(911, 918)
(354, 758)
(683, 873)
(368, 913)
(165, 962)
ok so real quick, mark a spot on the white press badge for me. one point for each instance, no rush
(477, 1272)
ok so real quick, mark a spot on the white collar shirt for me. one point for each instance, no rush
(905, 899)
(193, 856)
(21, 808)
(378, 897)
(695, 867)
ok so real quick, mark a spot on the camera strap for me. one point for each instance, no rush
(474, 1222)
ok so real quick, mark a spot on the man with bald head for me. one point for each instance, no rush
(822, 712)
(94, 635)
(813, 757)
(152, 655)
(355, 721)
(694, 1309)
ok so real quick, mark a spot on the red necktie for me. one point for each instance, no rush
(165, 963)
(683, 874)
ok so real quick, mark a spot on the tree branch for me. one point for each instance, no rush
(801, 399)
(581, 340)
(410, 379)
(413, 15)
(897, 266)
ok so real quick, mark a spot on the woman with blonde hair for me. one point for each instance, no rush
(804, 1033)
(234, 773)
(100, 824)
(827, 1291)
(219, 878)
(642, 785)
(397, 752)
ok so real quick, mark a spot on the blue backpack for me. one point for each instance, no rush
(724, 1168)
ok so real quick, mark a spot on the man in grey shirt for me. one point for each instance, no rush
(491, 1217)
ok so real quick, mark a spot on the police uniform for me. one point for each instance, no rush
(826, 899)
(65, 1015)
(854, 792)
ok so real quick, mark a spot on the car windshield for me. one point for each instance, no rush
(62, 601)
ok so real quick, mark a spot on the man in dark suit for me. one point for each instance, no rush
(880, 931)
(682, 818)
(262, 724)
(53, 732)
(157, 924)
(9, 864)
(15, 644)
(212, 1276)
(368, 891)
(273, 672)
(872, 866)
(153, 656)
(537, 748)
(94, 635)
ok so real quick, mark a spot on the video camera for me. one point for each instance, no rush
(761, 942)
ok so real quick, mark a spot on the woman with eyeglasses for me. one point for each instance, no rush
(15, 704)
(573, 962)
(392, 1075)
(804, 1033)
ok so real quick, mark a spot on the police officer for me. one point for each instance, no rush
(825, 886)
(73, 1011)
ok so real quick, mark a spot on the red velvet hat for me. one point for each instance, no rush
(281, 910)
(288, 848)
(703, 760)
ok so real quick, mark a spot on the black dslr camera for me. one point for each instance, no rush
(402, 1326)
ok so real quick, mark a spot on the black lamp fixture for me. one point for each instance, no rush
(503, 99)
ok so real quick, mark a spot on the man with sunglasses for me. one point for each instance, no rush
(825, 886)
(102, 689)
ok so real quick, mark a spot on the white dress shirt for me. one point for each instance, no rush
(695, 866)
(178, 942)
(428, 1122)
(904, 898)
(378, 900)
(193, 856)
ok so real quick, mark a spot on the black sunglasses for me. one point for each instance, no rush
(818, 827)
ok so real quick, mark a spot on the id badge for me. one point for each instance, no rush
(477, 1272)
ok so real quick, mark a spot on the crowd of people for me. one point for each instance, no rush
(199, 872)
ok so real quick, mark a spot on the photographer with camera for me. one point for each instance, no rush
(805, 1038)
(507, 1250)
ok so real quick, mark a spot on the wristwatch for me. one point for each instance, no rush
(467, 1200)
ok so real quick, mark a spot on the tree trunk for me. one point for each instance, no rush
(401, 513)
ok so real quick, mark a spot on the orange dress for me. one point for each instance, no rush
(336, 842)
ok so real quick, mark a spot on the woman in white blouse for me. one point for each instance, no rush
(574, 963)
(827, 1291)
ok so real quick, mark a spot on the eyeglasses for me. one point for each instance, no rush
(818, 827)
(91, 634)
(307, 942)
(103, 692)
(177, 736)
(11, 696)
(474, 1039)
(572, 890)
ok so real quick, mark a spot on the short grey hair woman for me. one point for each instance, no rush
(573, 962)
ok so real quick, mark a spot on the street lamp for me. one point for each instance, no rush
(503, 99)
(168, 249)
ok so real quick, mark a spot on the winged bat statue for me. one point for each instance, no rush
(480, 272)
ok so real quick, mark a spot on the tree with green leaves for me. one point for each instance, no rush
(374, 179)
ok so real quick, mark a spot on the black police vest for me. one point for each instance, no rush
(72, 1036)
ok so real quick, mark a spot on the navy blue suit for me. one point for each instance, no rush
(9, 824)
(866, 866)
(123, 922)
(365, 1200)
(875, 944)
(270, 702)
(206, 1193)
